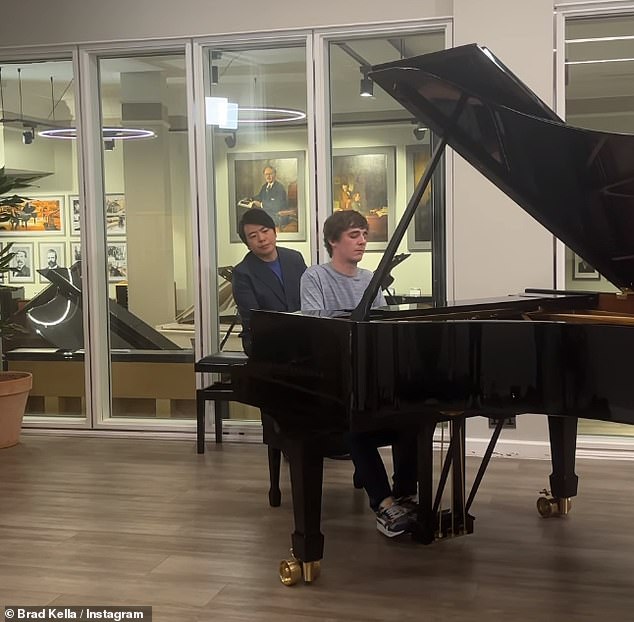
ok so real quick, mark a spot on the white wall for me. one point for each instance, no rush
(43, 22)
(497, 247)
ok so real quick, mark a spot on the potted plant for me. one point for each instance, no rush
(14, 386)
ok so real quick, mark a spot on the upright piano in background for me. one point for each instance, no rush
(564, 354)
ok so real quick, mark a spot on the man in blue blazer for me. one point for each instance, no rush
(268, 277)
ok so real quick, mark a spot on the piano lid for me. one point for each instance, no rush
(577, 183)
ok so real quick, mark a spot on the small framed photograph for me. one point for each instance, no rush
(34, 216)
(52, 255)
(115, 214)
(582, 270)
(73, 211)
(23, 264)
(75, 252)
(117, 254)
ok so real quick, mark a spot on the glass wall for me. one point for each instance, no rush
(42, 295)
(147, 218)
(379, 152)
(257, 134)
(599, 57)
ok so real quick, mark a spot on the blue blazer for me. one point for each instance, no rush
(256, 286)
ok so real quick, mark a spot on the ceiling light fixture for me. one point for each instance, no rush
(227, 115)
(600, 39)
(366, 86)
(255, 114)
(108, 133)
(419, 132)
(602, 60)
(28, 136)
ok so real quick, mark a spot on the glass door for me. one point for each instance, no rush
(146, 219)
(257, 137)
(42, 296)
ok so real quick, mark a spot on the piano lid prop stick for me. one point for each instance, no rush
(362, 310)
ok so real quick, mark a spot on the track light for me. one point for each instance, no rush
(366, 87)
(28, 136)
(231, 139)
(419, 132)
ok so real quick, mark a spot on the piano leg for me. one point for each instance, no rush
(563, 445)
(306, 466)
(275, 459)
(563, 479)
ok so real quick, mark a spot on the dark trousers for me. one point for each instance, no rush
(371, 470)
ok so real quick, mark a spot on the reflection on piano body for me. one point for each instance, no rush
(564, 354)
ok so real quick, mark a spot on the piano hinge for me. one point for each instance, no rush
(625, 292)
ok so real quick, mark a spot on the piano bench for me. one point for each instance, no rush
(220, 392)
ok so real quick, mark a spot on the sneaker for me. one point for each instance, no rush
(409, 503)
(393, 520)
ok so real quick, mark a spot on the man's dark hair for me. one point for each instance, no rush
(339, 222)
(254, 216)
(271, 167)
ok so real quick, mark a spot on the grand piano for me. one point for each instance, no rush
(564, 354)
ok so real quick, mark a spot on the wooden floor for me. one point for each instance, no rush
(122, 522)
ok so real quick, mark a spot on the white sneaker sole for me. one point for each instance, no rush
(390, 534)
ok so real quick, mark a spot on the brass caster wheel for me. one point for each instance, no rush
(311, 571)
(552, 506)
(290, 571)
(547, 507)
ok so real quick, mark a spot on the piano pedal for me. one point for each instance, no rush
(549, 506)
(291, 570)
(447, 528)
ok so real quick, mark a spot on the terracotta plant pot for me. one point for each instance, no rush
(14, 391)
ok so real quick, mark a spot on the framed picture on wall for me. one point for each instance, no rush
(73, 213)
(115, 211)
(582, 270)
(273, 182)
(34, 216)
(117, 254)
(51, 255)
(420, 231)
(75, 252)
(23, 264)
(115, 214)
(364, 180)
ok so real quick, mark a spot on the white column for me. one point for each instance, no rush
(148, 199)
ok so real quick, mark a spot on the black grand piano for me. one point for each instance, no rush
(564, 354)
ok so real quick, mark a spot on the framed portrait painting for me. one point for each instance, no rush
(34, 216)
(117, 255)
(431, 207)
(51, 255)
(582, 270)
(364, 180)
(23, 263)
(273, 182)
